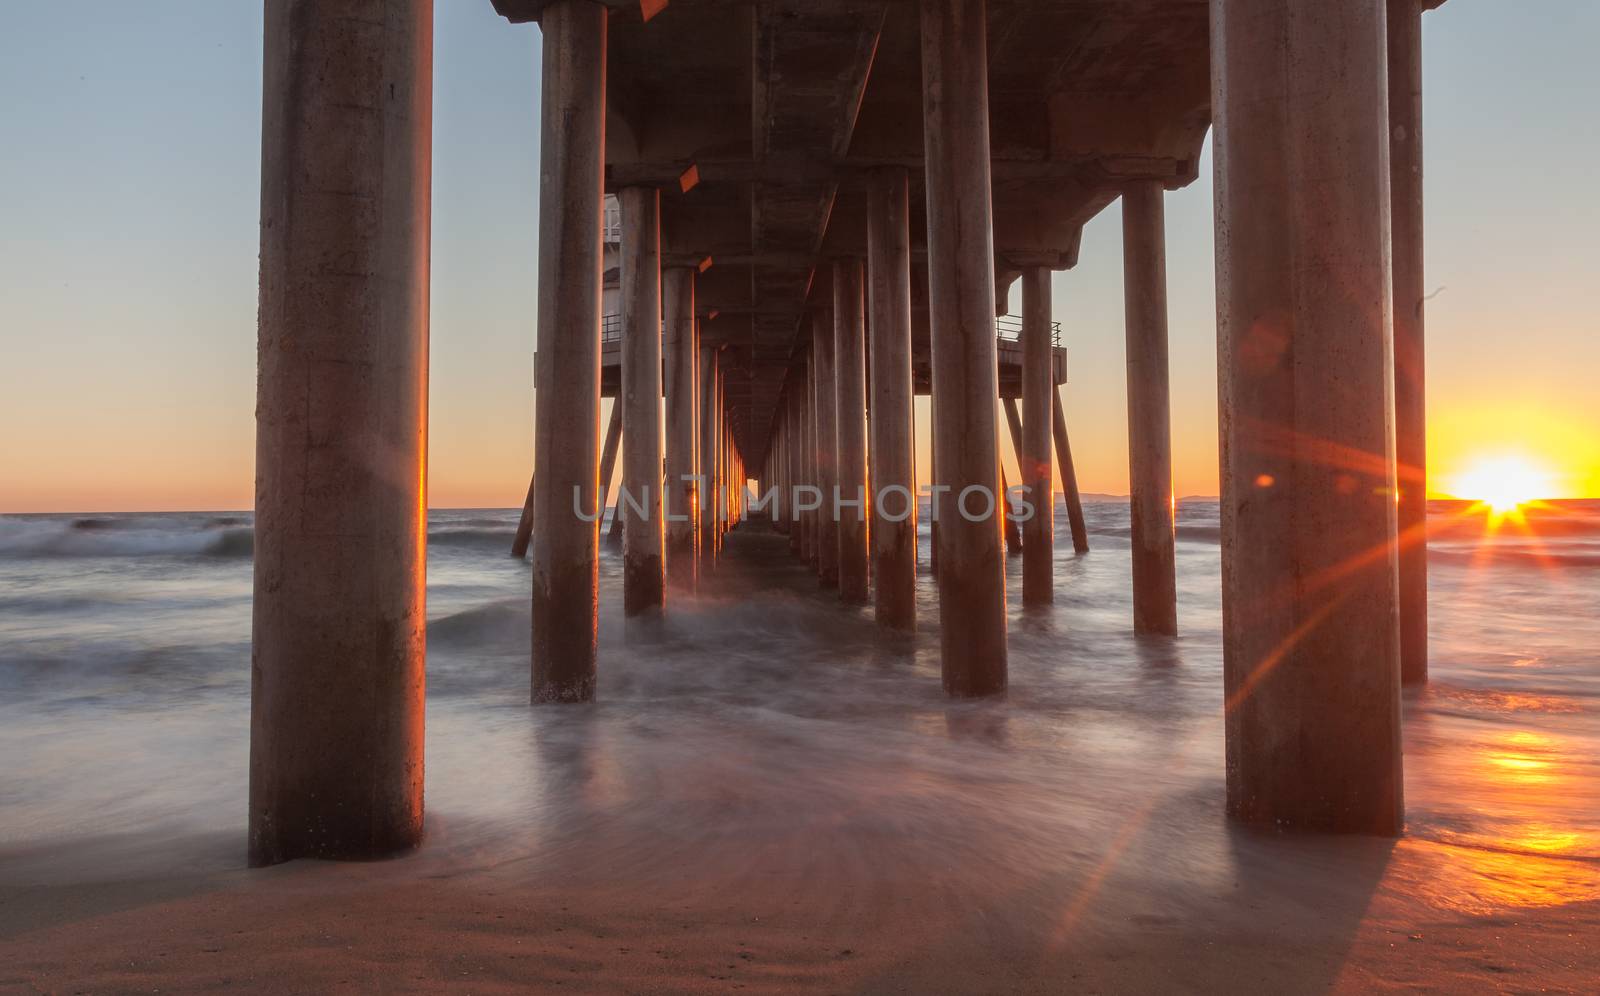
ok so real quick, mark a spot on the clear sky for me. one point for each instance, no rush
(129, 172)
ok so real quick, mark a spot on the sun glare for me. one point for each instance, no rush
(1504, 483)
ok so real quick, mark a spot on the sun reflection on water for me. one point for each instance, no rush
(1516, 854)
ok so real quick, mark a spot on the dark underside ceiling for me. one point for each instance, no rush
(781, 106)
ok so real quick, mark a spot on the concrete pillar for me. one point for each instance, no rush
(933, 496)
(796, 460)
(1144, 283)
(519, 542)
(566, 549)
(710, 477)
(1069, 477)
(643, 536)
(336, 692)
(808, 462)
(608, 453)
(711, 474)
(972, 584)
(1033, 456)
(892, 451)
(813, 467)
(725, 448)
(1311, 641)
(826, 447)
(778, 461)
(1410, 410)
(850, 406)
(1012, 533)
(682, 374)
(1014, 424)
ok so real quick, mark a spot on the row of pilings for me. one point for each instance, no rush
(1315, 366)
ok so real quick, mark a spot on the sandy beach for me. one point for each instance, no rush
(833, 906)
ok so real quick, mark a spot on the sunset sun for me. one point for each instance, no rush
(1504, 482)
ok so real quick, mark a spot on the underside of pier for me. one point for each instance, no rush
(821, 207)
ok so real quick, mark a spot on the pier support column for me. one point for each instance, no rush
(519, 542)
(808, 458)
(643, 539)
(892, 453)
(1144, 291)
(1069, 477)
(1410, 409)
(608, 454)
(850, 394)
(682, 372)
(826, 448)
(1311, 642)
(566, 549)
(1033, 456)
(336, 693)
(709, 475)
(972, 584)
(795, 455)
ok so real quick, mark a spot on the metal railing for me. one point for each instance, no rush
(1009, 329)
(613, 221)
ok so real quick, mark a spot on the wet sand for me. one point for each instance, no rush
(766, 798)
(829, 907)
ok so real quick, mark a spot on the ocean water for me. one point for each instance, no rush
(764, 715)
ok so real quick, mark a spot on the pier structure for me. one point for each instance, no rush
(765, 226)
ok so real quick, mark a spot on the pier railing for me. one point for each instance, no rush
(1009, 329)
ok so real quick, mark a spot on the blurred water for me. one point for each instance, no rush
(763, 712)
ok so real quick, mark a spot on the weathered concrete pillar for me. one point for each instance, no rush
(519, 542)
(682, 374)
(1069, 477)
(892, 452)
(1144, 283)
(1013, 535)
(850, 407)
(1311, 643)
(778, 475)
(1014, 424)
(796, 457)
(643, 537)
(826, 448)
(972, 584)
(336, 693)
(566, 549)
(710, 477)
(933, 494)
(725, 448)
(608, 453)
(1410, 410)
(1033, 456)
(808, 460)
